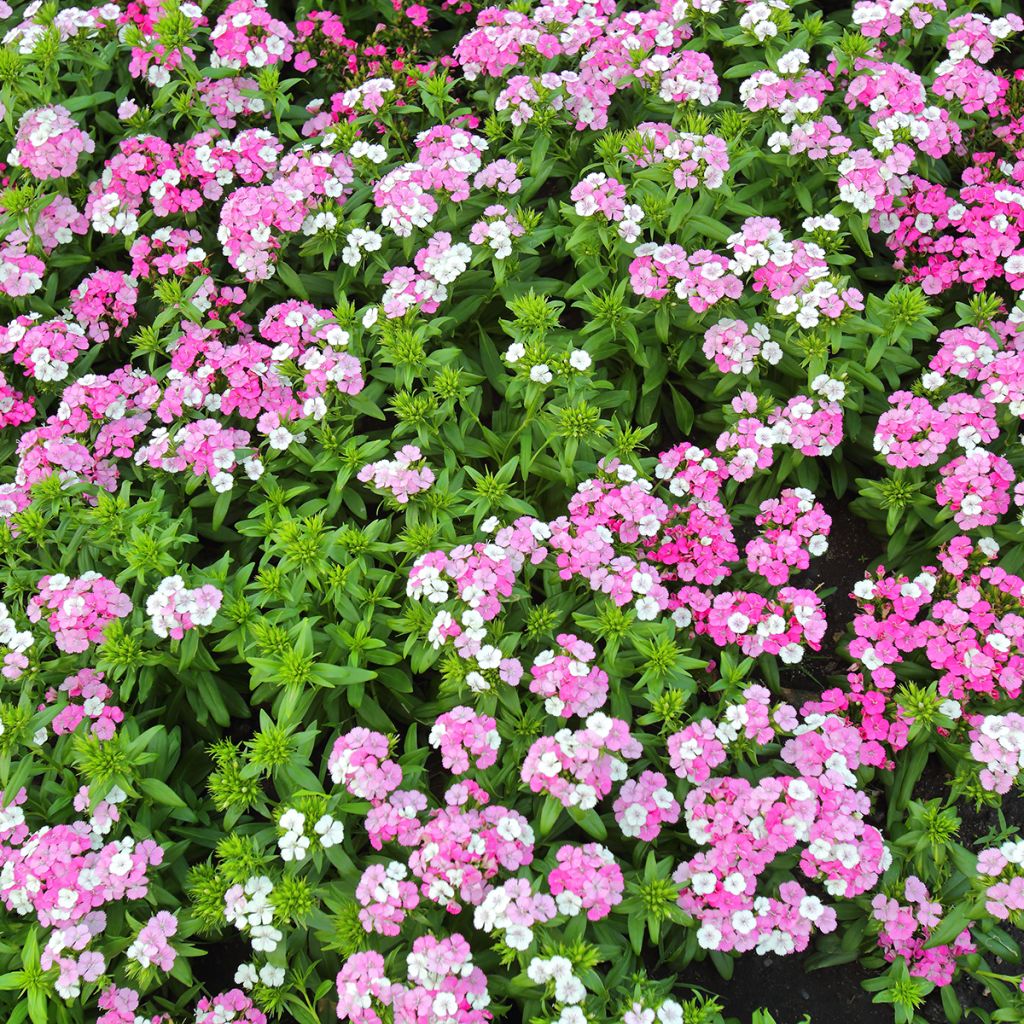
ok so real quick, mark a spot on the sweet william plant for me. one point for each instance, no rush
(430, 436)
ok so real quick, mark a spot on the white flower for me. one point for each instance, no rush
(271, 976)
(580, 360)
(708, 936)
(245, 976)
(293, 846)
(951, 709)
(330, 830)
(744, 922)
(292, 820)
(541, 374)
(703, 883)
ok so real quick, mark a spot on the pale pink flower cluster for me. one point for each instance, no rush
(174, 609)
(234, 1006)
(442, 984)
(16, 642)
(746, 826)
(151, 947)
(385, 897)
(466, 739)
(514, 908)
(578, 767)
(997, 744)
(734, 347)
(360, 762)
(597, 194)
(49, 142)
(403, 476)
(1001, 870)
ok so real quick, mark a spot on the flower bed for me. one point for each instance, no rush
(511, 513)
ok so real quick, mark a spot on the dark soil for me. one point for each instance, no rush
(784, 987)
(215, 970)
(852, 549)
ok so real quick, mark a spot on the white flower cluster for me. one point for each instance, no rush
(569, 990)
(249, 908)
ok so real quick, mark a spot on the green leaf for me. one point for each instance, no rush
(635, 926)
(161, 793)
(292, 281)
(549, 813)
(950, 1004)
(951, 925)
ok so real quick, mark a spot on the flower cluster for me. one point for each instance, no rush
(79, 609)
(49, 142)
(465, 739)
(997, 744)
(173, 608)
(905, 929)
(746, 826)
(401, 476)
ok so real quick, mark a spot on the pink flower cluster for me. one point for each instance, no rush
(461, 847)
(793, 528)
(972, 639)
(599, 194)
(644, 805)
(568, 680)
(88, 696)
(45, 349)
(104, 303)
(403, 476)
(442, 983)
(976, 487)
(466, 740)
(246, 35)
(758, 625)
(79, 609)
(906, 928)
(626, 540)
(360, 762)
(746, 826)
(811, 425)
(120, 1006)
(586, 878)
(514, 908)
(63, 876)
(997, 744)
(234, 1006)
(21, 273)
(173, 608)
(48, 143)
